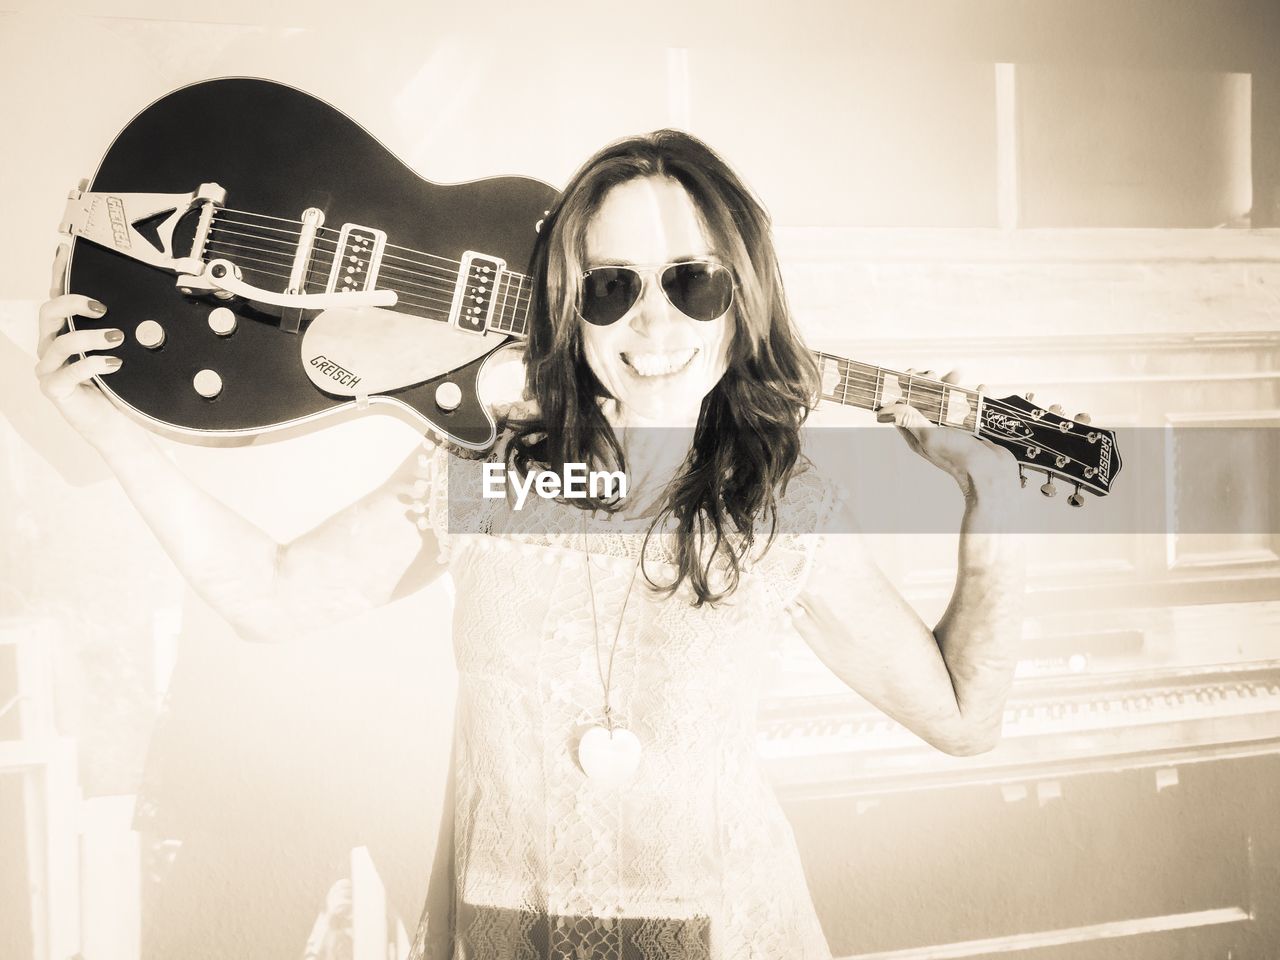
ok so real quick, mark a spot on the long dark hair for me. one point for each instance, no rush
(747, 439)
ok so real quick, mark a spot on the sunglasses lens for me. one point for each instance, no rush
(702, 291)
(608, 293)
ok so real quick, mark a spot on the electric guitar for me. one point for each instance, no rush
(279, 266)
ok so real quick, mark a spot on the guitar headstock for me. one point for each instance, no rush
(1084, 455)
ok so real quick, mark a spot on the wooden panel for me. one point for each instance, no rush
(1140, 864)
(1233, 477)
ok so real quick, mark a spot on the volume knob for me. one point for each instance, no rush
(222, 321)
(150, 334)
(207, 383)
(448, 396)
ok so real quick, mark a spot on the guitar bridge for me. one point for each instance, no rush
(111, 220)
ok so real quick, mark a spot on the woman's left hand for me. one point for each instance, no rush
(976, 464)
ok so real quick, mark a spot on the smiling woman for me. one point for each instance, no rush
(607, 800)
(620, 709)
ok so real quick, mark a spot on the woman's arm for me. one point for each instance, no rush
(360, 558)
(268, 591)
(948, 684)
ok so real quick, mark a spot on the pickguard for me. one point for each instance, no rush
(369, 350)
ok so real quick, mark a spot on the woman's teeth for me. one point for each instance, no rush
(658, 364)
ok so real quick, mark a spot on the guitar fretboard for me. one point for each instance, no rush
(869, 387)
(511, 316)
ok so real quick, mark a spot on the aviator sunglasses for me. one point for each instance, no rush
(700, 289)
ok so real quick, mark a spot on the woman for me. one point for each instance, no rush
(611, 650)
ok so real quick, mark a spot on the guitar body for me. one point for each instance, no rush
(277, 152)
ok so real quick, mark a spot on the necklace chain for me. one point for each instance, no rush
(606, 676)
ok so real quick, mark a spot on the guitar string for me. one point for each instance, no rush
(417, 306)
(332, 230)
(220, 224)
(510, 278)
(866, 391)
(288, 263)
(864, 387)
(868, 397)
(497, 326)
(520, 298)
(285, 276)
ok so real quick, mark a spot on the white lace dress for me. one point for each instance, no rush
(692, 858)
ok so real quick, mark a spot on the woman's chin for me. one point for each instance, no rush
(661, 412)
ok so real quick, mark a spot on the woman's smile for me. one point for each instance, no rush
(652, 364)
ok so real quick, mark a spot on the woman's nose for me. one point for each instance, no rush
(652, 308)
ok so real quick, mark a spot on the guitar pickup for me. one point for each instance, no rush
(475, 293)
(357, 259)
(111, 220)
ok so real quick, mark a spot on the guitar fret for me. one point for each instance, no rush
(930, 404)
(863, 385)
(504, 287)
(523, 329)
(504, 323)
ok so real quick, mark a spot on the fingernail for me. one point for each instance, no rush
(97, 307)
(115, 336)
(113, 363)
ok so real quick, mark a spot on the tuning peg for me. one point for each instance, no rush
(1047, 488)
(1031, 397)
(1056, 408)
(1022, 477)
(1075, 499)
(1083, 418)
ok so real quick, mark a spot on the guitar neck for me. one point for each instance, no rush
(870, 387)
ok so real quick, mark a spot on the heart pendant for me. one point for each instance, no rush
(609, 757)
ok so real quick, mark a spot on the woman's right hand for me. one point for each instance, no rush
(64, 380)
